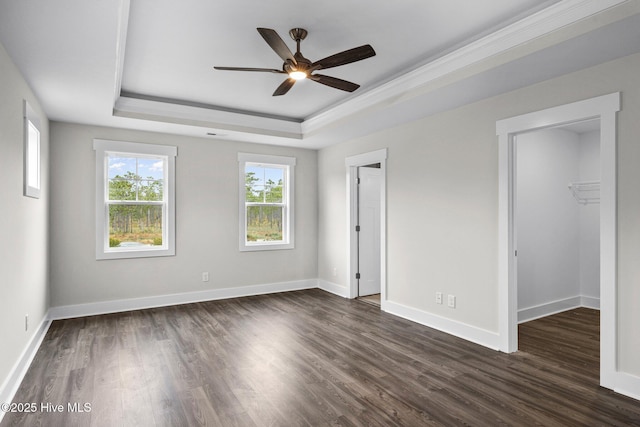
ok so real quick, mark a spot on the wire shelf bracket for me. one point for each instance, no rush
(586, 192)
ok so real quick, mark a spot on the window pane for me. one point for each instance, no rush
(151, 172)
(135, 225)
(121, 166)
(135, 178)
(150, 190)
(33, 157)
(273, 192)
(151, 168)
(264, 223)
(122, 178)
(264, 184)
(122, 188)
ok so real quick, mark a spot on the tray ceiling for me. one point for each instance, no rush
(148, 64)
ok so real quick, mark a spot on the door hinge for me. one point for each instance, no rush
(357, 228)
(357, 275)
(516, 253)
(358, 181)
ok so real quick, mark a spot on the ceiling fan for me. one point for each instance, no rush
(298, 67)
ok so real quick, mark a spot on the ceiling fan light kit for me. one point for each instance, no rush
(298, 75)
(297, 67)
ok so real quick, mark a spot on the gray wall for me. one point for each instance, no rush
(24, 224)
(442, 182)
(206, 222)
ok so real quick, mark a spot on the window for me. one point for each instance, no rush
(135, 194)
(266, 202)
(31, 152)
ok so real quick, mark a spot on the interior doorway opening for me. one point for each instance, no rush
(368, 231)
(603, 108)
(557, 240)
(366, 193)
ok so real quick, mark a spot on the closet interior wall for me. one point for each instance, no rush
(557, 234)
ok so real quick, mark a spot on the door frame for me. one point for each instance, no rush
(603, 108)
(352, 164)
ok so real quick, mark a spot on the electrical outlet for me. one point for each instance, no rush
(205, 276)
(451, 301)
(26, 322)
(438, 297)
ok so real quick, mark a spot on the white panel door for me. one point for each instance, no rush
(369, 235)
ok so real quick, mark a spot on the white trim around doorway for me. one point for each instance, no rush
(603, 108)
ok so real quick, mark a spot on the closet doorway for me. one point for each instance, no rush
(604, 109)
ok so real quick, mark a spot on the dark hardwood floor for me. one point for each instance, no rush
(311, 358)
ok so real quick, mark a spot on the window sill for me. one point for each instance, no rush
(144, 253)
(265, 247)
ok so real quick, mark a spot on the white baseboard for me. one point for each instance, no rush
(555, 307)
(17, 373)
(461, 330)
(627, 384)
(116, 306)
(334, 288)
(547, 309)
(590, 302)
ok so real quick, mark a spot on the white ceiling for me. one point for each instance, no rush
(148, 64)
(172, 46)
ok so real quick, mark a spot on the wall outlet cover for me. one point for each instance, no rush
(451, 301)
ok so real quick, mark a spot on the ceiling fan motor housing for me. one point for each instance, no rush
(298, 34)
(301, 64)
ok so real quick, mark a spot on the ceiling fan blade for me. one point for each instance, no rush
(284, 87)
(277, 44)
(264, 70)
(346, 57)
(334, 82)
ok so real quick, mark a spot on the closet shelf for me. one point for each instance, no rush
(586, 192)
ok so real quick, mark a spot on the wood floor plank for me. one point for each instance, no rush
(313, 359)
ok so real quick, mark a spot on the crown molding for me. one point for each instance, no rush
(121, 43)
(527, 29)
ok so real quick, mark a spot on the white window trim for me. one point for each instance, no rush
(32, 164)
(168, 248)
(288, 216)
